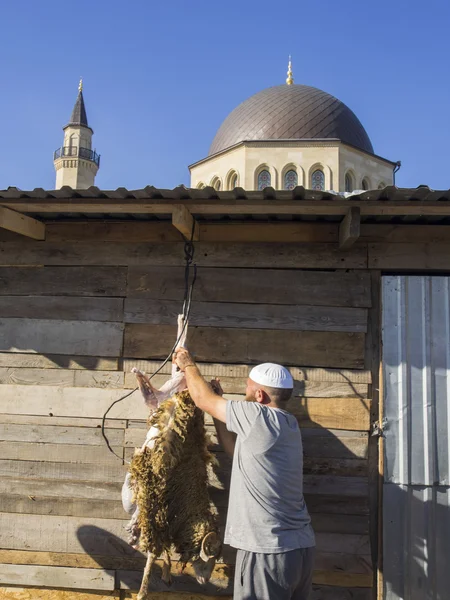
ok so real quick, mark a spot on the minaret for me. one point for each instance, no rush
(290, 78)
(76, 164)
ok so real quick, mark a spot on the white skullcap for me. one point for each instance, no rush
(272, 375)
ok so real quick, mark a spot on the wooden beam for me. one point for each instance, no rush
(185, 222)
(231, 206)
(18, 223)
(350, 227)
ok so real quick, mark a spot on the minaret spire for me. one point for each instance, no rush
(290, 78)
(75, 162)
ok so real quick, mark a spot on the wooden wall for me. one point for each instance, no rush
(77, 313)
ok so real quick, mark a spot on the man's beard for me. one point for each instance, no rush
(250, 397)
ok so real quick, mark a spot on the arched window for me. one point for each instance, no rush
(264, 179)
(200, 185)
(365, 184)
(348, 183)
(318, 180)
(232, 180)
(216, 184)
(381, 186)
(290, 180)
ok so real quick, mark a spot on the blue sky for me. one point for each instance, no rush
(159, 78)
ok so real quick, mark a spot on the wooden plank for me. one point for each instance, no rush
(329, 592)
(259, 255)
(254, 316)
(60, 307)
(70, 507)
(68, 453)
(302, 387)
(55, 361)
(18, 223)
(267, 232)
(229, 370)
(183, 220)
(312, 348)
(46, 488)
(354, 524)
(30, 593)
(64, 534)
(412, 256)
(337, 562)
(65, 421)
(49, 434)
(398, 234)
(119, 231)
(90, 579)
(349, 228)
(61, 337)
(62, 377)
(254, 203)
(348, 467)
(29, 469)
(335, 413)
(345, 580)
(337, 505)
(70, 281)
(66, 402)
(283, 286)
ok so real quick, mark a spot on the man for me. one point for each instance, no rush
(267, 520)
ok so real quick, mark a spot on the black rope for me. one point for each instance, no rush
(189, 251)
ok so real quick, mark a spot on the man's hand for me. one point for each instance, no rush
(182, 358)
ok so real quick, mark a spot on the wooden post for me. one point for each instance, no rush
(185, 222)
(349, 229)
(19, 223)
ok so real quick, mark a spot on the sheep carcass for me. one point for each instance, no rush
(166, 488)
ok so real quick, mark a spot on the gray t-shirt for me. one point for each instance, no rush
(267, 512)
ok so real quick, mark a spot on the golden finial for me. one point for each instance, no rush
(80, 85)
(290, 79)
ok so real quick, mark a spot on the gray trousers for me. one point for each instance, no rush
(284, 576)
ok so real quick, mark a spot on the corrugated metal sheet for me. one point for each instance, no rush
(416, 496)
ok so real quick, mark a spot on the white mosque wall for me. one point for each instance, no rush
(248, 159)
(359, 165)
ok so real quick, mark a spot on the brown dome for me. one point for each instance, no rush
(291, 112)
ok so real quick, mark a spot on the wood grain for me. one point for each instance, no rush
(69, 453)
(284, 286)
(55, 361)
(91, 579)
(28, 469)
(348, 376)
(260, 255)
(65, 421)
(41, 336)
(60, 434)
(70, 401)
(254, 316)
(62, 377)
(69, 281)
(19, 223)
(312, 348)
(400, 234)
(70, 507)
(30, 593)
(121, 231)
(60, 307)
(411, 256)
(46, 488)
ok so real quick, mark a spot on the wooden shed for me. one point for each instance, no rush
(91, 282)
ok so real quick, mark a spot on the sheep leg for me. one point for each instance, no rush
(166, 576)
(143, 592)
(181, 337)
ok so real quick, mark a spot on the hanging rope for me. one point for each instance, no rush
(189, 251)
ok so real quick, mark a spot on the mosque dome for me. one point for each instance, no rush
(291, 112)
